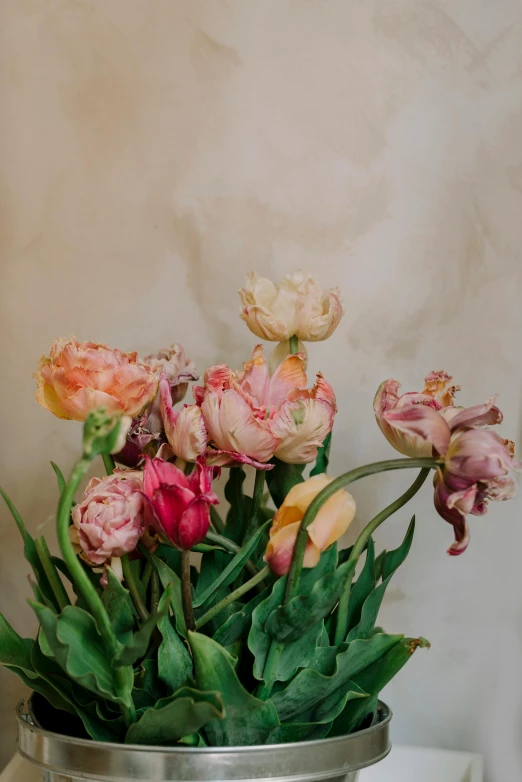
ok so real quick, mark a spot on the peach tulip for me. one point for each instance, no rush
(330, 523)
(78, 377)
(296, 307)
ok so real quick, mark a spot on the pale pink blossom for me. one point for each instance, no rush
(111, 516)
(78, 377)
(296, 307)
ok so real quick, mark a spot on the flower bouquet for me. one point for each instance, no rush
(166, 621)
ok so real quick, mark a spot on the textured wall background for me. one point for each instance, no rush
(153, 152)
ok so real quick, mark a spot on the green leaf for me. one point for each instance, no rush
(63, 693)
(282, 478)
(183, 713)
(239, 504)
(372, 679)
(237, 625)
(119, 606)
(168, 576)
(79, 649)
(301, 698)
(174, 660)
(15, 651)
(233, 568)
(137, 646)
(364, 585)
(296, 731)
(247, 720)
(31, 554)
(59, 477)
(378, 565)
(323, 456)
(372, 604)
(395, 558)
(288, 622)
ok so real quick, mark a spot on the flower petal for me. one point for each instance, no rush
(301, 427)
(478, 415)
(421, 421)
(280, 548)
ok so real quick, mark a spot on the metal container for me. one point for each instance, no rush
(66, 759)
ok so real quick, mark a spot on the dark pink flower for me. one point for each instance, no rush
(180, 503)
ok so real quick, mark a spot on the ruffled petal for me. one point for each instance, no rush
(422, 422)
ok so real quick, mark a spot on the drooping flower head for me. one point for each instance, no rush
(296, 307)
(78, 377)
(180, 503)
(252, 415)
(331, 522)
(474, 462)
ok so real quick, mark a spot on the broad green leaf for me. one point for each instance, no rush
(247, 720)
(183, 713)
(59, 477)
(370, 609)
(119, 606)
(233, 568)
(297, 654)
(79, 649)
(148, 689)
(38, 684)
(282, 478)
(395, 558)
(15, 651)
(174, 660)
(378, 565)
(63, 693)
(344, 555)
(171, 556)
(372, 679)
(300, 699)
(323, 456)
(364, 585)
(288, 622)
(138, 644)
(296, 731)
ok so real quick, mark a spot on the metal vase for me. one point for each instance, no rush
(65, 759)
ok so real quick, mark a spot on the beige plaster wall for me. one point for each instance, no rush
(153, 151)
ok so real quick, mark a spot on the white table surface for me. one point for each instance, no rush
(404, 764)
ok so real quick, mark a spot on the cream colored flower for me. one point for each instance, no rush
(297, 306)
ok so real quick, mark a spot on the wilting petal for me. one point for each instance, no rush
(254, 378)
(301, 427)
(232, 426)
(478, 415)
(219, 458)
(280, 548)
(450, 505)
(439, 385)
(288, 376)
(478, 455)
(419, 421)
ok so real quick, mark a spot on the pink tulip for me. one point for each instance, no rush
(474, 461)
(112, 516)
(297, 306)
(78, 377)
(177, 368)
(184, 429)
(180, 503)
(253, 415)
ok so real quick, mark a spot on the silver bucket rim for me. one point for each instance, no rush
(312, 760)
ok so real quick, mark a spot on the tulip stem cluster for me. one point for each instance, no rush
(186, 591)
(237, 593)
(362, 541)
(294, 574)
(82, 582)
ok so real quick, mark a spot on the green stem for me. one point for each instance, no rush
(294, 574)
(59, 591)
(241, 590)
(362, 540)
(257, 501)
(132, 586)
(154, 591)
(294, 344)
(147, 571)
(217, 521)
(85, 587)
(230, 546)
(269, 672)
(109, 463)
(186, 591)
